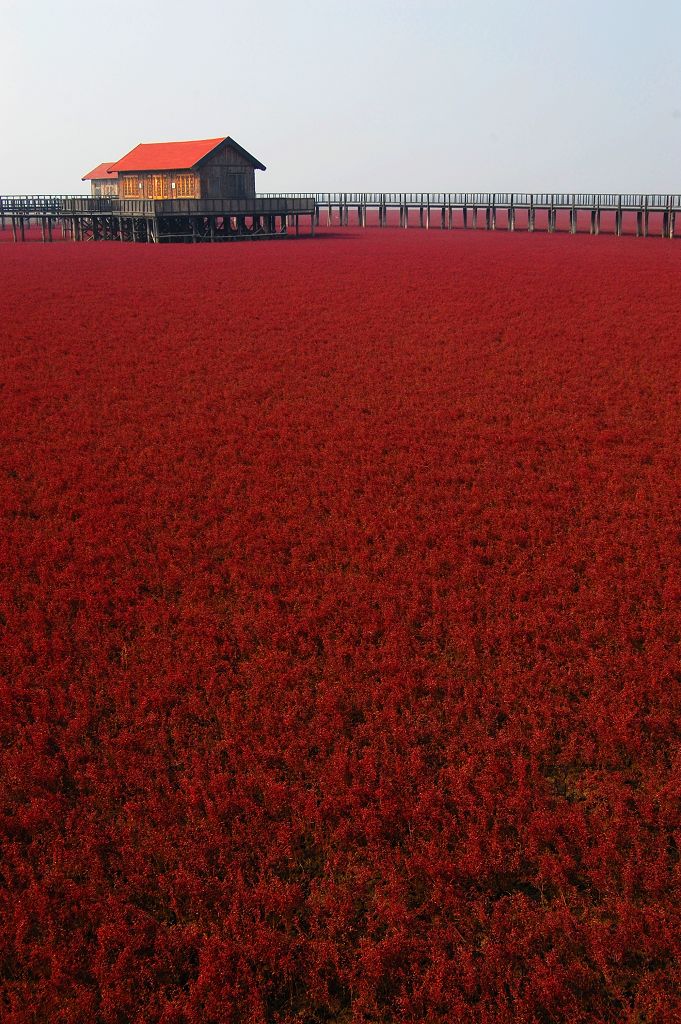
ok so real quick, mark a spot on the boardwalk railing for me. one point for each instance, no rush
(559, 200)
(469, 205)
(43, 205)
(427, 206)
(108, 218)
(37, 204)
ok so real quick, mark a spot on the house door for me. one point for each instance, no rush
(157, 184)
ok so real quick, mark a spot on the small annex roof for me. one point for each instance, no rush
(100, 172)
(175, 156)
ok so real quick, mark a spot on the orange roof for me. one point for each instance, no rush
(101, 171)
(175, 156)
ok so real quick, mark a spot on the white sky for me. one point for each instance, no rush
(452, 95)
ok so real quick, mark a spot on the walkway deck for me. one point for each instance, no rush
(272, 214)
(83, 218)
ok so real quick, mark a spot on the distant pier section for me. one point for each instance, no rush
(273, 215)
(551, 211)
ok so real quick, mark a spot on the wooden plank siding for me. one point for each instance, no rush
(103, 187)
(181, 184)
(226, 174)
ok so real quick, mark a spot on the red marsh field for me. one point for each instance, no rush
(339, 602)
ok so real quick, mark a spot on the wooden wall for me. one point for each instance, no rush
(160, 185)
(227, 175)
(103, 187)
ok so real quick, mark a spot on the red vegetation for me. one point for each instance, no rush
(339, 598)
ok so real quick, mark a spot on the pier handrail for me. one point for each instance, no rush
(53, 204)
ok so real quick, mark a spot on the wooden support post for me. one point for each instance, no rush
(298, 225)
(494, 218)
(639, 223)
(645, 220)
(14, 228)
(672, 222)
(465, 216)
(406, 215)
(488, 217)
(475, 218)
(22, 227)
(49, 228)
(573, 220)
(421, 215)
(427, 217)
(511, 218)
(442, 219)
(42, 228)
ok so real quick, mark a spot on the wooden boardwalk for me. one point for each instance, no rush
(520, 210)
(84, 218)
(273, 214)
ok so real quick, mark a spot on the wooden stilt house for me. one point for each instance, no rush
(103, 181)
(204, 169)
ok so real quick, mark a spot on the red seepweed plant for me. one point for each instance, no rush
(339, 609)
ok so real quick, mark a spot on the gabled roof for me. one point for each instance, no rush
(174, 156)
(101, 171)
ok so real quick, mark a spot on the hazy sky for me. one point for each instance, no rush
(447, 95)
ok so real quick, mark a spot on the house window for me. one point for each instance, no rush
(130, 187)
(160, 186)
(184, 186)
